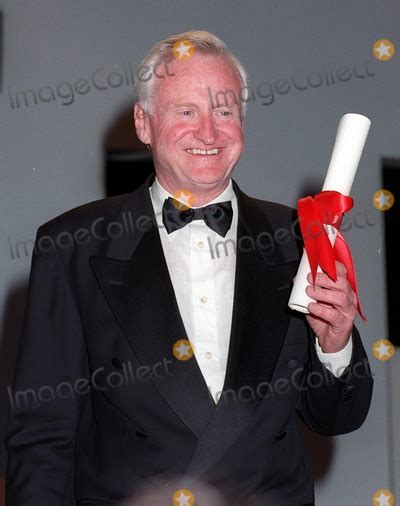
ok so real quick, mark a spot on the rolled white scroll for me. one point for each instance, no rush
(350, 139)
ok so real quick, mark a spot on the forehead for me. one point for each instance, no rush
(197, 78)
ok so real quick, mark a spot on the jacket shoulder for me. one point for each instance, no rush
(84, 215)
(275, 209)
(279, 215)
(283, 231)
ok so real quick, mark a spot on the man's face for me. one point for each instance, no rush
(185, 118)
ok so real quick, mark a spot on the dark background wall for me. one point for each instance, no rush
(53, 154)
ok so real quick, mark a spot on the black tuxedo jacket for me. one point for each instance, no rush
(100, 406)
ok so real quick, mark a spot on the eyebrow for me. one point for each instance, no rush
(185, 104)
(190, 104)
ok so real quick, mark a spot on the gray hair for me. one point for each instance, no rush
(204, 43)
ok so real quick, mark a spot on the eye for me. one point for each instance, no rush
(225, 113)
(187, 113)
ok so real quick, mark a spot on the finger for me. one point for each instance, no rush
(341, 271)
(336, 298)
(354, 298)
(329, 314)
(340, 268)
(323, 280)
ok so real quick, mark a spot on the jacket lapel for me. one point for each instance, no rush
(260, 315)
(140, 293)
(259, 327)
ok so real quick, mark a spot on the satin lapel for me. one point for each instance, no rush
(140, 293)
(259, 326)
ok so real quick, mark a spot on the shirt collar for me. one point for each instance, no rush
(158, 195)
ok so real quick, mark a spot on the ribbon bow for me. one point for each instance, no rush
(327, 207)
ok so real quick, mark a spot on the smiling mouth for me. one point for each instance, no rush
(206, 152)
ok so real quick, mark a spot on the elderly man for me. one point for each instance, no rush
(154, 365)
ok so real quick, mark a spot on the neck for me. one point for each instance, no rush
(201, 196)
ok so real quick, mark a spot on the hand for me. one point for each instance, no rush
(332, 316)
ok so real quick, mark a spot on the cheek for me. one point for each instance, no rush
(234, 131)
(174, 133)
(236, 134)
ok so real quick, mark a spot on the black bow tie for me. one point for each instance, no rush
(216, 216)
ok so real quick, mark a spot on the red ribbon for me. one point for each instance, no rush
(327, 207)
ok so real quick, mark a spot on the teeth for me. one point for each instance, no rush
(214, 151)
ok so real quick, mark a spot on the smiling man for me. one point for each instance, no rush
(195, 147)
(219, 423)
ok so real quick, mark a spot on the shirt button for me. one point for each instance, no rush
(204, 299)
(200, 244)
(208, 354)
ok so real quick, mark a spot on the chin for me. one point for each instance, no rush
(207, 175)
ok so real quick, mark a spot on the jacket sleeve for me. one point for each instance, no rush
(333, 405)
(44, 401)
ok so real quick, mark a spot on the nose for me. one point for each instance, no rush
(206, 131)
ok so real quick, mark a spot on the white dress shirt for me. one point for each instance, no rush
(204, 285)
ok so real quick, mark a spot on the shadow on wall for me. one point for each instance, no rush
(127, 161)
(391, 182)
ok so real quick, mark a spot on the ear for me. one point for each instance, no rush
(142, 123)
